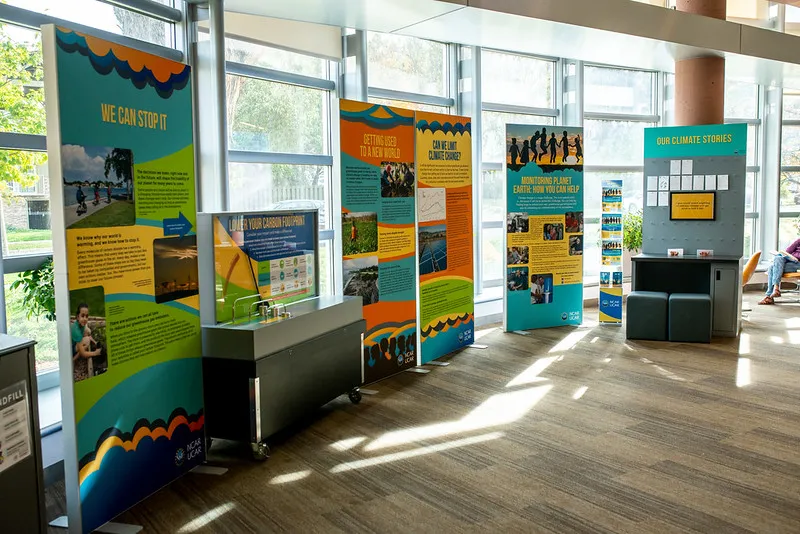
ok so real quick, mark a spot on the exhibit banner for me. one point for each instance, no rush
(694, 190)
(378, 176)
(122, 185)
(444, 218)
(610, 303)
(260, 256)
(544, 227)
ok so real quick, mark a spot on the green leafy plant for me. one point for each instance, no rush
(38, 291)
(632, 230)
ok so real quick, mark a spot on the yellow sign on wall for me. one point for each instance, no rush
(692, 206)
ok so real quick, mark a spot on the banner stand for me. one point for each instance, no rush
(544, 237)
(610, 301)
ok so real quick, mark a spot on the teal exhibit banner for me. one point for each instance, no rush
(694, 190)
(544, 227)
(610, 303)
(122, 184)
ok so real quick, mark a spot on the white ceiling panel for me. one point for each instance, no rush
(375, 15)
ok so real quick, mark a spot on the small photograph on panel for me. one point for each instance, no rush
(432, 249)
(360, 233)
(575, 245)
(542, 288)
(98, 186)
(573, 220)
(361, 279)
(517, 278)
(553, 232)
(397, 179)
(517, 256)
(88, 332)
(175, 268)
(517, 223)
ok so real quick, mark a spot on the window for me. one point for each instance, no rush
(279, 124)
(517, 80)
(515, 89)
(406, 64)
(618, 105)
(276, 117)
(613, 90)
(38, 328)
(416, 106)
(104, 16)
(789, 207)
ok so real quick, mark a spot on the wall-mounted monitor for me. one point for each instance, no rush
(695, 206)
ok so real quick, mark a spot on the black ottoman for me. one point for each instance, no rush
(647, 315)
(690, 317)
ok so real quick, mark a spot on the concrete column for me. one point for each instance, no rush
(700, 82)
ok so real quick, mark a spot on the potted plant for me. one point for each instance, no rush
(631, 238)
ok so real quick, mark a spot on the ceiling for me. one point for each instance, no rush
(618, 32)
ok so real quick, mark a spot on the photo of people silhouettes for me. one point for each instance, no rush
(575, 245)
(88, 332)
(517, 256)
(397, 179)
(573, 221)
(532, 144)
(517, 278)
(517, 223)
(553, 232)
(541, 288)
(399, 349)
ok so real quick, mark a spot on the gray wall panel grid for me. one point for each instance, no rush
(725, 235)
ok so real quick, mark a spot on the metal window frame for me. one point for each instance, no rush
(34, 21)
(272, 75)
(620, 117)
(21, 141)
(416, 98)
(279, 158)
(494, 107)
(149, 8)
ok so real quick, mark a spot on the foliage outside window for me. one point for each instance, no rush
(407, 64)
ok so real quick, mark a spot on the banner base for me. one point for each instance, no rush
(209, 470)
(418, 370)
(521, 332)
(108, 528)
(438, 364)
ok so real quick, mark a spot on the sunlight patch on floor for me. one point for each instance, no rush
(347, 444)
(569, 341)
(497, 410)
(531, 374)
(580, 392)
(743, 377)
(414, 453)
(290, 477)
(203, 521)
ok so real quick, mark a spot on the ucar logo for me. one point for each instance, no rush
(180, 455)
(564, 316)
(605, 303)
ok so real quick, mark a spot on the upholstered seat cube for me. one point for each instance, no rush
(690, 317)
(647, 315)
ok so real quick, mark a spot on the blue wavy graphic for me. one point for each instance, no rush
(72, 42)
(447, 127)
(385, 123)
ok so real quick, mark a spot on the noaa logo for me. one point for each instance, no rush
(400, 360)
(461, 336)
(605, 303)
(180, 456)
(564, 316)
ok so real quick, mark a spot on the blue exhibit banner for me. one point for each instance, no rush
(544, 227)
(610, 302)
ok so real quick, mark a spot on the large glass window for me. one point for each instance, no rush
(272, 118)
(407, 64)
(276, 117)
(618, 105)
(789, 207)
(104, 16)
(515, 89)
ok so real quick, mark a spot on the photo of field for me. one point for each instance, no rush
(360, 233)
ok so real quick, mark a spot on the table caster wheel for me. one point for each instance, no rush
(260, 451)
(355, 395)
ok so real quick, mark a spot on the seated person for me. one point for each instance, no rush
(781, 264)
(82, 339)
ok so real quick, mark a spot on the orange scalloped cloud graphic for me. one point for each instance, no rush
(132, 444)
(161, 68)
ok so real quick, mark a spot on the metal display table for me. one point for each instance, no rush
(22, 506)
(262, 374)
